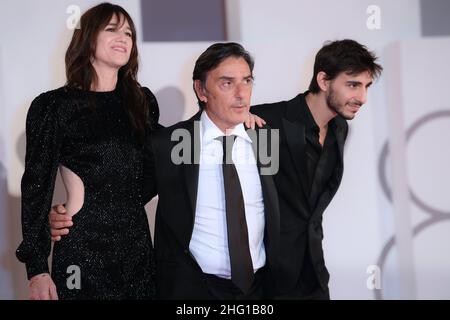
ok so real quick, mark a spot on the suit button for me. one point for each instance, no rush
(186, 251)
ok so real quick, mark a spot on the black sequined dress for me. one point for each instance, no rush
(109, 245)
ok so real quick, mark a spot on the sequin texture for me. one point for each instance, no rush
(110, 241)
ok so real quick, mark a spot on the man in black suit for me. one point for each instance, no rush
(313, 130)
(200, 254)
(217, 221)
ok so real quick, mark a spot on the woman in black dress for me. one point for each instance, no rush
(93, 130)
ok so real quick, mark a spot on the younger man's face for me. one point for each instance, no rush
(347, 93)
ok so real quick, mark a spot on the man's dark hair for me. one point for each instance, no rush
(343, 56)
(213, 56)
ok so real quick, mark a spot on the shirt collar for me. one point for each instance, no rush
(308, 117)
(210, 131)
(310, 123)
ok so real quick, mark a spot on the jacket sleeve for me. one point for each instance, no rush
(43, 136)
(149, 182)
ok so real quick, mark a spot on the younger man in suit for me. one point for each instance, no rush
(313, 130)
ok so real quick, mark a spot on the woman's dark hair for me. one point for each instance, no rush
(81, 74)
(343, 56)
(213, 56)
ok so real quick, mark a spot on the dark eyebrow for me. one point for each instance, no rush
(359, 83)
(115, 25)
(232, 78)
(226, 78)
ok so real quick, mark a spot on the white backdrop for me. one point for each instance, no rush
(283, 37)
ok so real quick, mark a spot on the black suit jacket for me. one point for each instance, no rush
(301, 254)
(178, 274)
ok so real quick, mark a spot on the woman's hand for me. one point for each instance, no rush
(42, 287)
(252, 119)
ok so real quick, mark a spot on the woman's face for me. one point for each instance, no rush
(114, 44)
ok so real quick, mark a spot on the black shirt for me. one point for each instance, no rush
(320, 160)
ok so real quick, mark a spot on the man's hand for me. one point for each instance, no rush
(252, 119)
(59, 222)
(42, 287)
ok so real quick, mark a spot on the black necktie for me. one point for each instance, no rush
(238, 247)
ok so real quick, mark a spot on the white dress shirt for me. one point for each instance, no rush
(209, 243)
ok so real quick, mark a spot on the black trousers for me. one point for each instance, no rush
(307, 287)
(224, 289)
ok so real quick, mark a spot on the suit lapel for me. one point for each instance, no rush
(270, 196)
(294, 133)
(191, 170)
(325, 198)
(340, 134)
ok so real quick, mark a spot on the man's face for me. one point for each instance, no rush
(227, 93)
(347, 93)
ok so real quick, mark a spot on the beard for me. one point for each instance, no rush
(337, 106)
